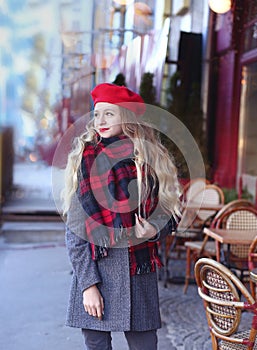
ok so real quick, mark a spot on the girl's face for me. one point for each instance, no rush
(107, 119)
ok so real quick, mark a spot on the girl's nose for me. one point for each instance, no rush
(101, 119)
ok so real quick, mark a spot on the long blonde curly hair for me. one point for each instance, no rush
(148, 152)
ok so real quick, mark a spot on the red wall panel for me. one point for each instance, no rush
(226, 133)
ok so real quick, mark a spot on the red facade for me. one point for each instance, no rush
(224, 94)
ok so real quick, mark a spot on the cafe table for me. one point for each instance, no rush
(227, 236)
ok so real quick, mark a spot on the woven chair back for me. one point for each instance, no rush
(237, 203)
(209, 195)
(241, 218)
(220, 290)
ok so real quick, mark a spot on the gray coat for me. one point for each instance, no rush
(130, 302)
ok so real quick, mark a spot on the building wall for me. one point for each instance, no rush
(234, 48)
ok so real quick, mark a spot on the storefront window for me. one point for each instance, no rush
(251, 11)
(250, 26)
(250, 41)
(248, 121)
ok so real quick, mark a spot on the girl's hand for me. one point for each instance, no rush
(93, 302)
(143, 229)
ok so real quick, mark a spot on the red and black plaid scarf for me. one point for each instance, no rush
(109, 195)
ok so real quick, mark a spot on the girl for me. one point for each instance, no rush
(121, 197)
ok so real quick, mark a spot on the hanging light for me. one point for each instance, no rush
(142, 13)
(142, 9)
(220, 6)
(123, 2)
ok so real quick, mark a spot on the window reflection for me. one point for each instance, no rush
(248, 120)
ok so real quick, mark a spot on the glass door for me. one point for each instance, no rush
(248, 121)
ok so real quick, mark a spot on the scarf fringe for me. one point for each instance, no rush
(100, 252)
(135, 269)
(111, 240)
(146, 267)
(121, 233)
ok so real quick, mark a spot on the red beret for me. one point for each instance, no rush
(118, 95)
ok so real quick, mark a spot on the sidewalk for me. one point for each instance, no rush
(35, 279)
(34, 294)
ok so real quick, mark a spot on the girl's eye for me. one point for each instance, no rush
(109, 113)
(95, 115)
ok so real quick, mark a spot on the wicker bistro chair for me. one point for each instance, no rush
(237, 203)
(211, 195)
(193, 193)
(206, 247)
(252, 266)
(220, 290)
(187, 229)
(194, 216)
(193, 187)
(241, 218)
(194, 251)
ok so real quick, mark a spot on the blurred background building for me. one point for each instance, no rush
(198, 61)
